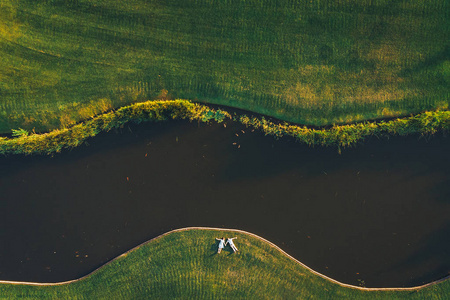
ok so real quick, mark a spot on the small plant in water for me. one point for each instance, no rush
(361, 283)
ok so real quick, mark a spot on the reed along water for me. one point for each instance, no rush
(375, 215)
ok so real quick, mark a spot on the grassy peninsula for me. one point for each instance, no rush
(317, 62)
(183, 264)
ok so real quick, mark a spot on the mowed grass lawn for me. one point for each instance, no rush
(311, 62)
(184, 265)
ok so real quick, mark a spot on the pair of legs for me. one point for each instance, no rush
(230, 242)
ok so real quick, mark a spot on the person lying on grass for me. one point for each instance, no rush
(230, 242)
(221, 244)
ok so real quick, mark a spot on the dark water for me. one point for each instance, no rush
(378, 213)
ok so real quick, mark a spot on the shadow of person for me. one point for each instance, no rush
(214, 247)
(229, 250)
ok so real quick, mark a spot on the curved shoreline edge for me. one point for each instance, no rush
(345, 285)
(23, 142)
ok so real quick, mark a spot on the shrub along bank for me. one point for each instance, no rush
(23, 142)
(426, 123)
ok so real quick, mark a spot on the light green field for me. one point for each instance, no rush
(183, 265)
(310, 62)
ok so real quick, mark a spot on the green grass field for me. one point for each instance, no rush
(183, 265)
(310, 62)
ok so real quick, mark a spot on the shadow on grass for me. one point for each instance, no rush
(215, 246)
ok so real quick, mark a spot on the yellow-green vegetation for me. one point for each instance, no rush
(317, 62)
(183, 265)
(426, 123)
(24, 142)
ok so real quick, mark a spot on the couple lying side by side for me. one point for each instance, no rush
(222, 244)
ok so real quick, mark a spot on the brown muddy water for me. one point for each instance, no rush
(378, 214)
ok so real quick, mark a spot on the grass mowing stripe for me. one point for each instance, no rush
(287, 59)
(258, 271)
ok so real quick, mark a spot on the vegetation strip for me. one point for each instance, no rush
(189, 250)
(339, 136)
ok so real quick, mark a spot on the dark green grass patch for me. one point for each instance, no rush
(183, 265)
(317, 62)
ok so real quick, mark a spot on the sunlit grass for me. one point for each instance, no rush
(309, 62)
(184, 265)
